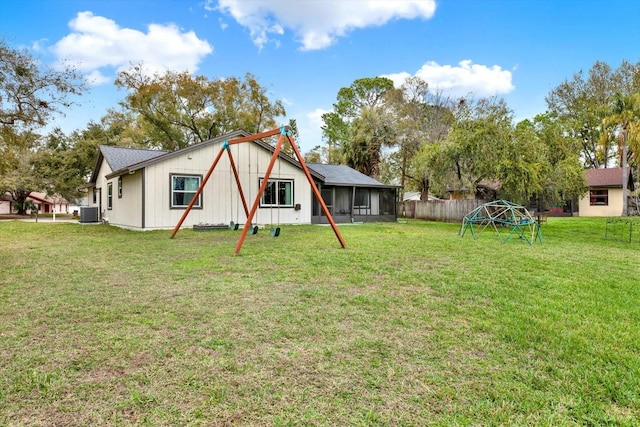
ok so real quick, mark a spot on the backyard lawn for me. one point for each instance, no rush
(410, 325)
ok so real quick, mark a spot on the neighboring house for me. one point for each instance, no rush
(485, 190)
(49, 204)
(605, 192)
(44, 203)
(150, 189)
(5, 204)
(80, 202)
(416, 196)
(350, 194)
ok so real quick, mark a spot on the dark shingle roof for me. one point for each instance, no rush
(120, 157)
(609, 177)
(344, 175)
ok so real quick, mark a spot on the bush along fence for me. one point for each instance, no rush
(439, 210)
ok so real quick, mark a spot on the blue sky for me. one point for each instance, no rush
(304, 51)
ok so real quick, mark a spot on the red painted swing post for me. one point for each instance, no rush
(263, 186)
(284, 132)
(316, 192)
(195, 197)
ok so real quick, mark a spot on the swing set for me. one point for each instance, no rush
(285, 135)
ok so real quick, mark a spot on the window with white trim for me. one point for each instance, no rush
(183, 188)
(277, 193)
(120, 187)
(109, 195)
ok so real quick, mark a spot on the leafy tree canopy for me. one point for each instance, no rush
(176, 109)
(583, 102)
(30, 91)
(365, 96)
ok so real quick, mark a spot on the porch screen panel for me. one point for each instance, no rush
(362, 202)
(343, 201)
(327, 197)
(388, 202)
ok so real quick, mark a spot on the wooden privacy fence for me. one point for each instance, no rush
(439, 210)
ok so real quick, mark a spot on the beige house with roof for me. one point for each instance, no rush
(605, 192)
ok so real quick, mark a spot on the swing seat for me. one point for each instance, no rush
(275, 231)
(233, 226)
(253, 229)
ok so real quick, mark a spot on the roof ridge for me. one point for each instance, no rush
(133, 148)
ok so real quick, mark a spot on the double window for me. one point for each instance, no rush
(599, 197)
(183, 189)
(278, 193)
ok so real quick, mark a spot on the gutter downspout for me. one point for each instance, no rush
(143, 183)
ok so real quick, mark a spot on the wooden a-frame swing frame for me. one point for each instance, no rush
(285, 135)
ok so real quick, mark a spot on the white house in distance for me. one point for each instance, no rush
(151, 189)
(605, 192)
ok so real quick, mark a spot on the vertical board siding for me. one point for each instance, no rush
(221, 202)
(440, 210)
(126, 210)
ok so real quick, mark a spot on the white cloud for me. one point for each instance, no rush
(317, 24)
(287, 101)
(314, 118)
(97, 42)
(310, 128)
(96, 78)
(39, 45)
(466, 77)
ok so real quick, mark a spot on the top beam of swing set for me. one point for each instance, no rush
(285, 134)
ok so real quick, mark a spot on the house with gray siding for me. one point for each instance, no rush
(150, 189)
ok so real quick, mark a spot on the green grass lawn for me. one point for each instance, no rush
(410, 325)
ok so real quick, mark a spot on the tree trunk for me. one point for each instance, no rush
(424, 191)
(625, 175)
(20, 198)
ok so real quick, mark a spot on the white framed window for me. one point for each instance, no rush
(109, 195)
(277, 193)
(183, 188)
